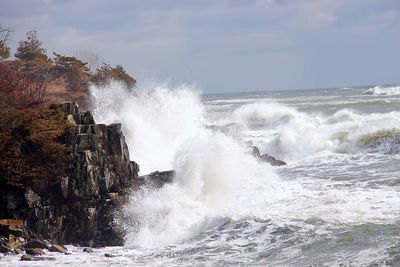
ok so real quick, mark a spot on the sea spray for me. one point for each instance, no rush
(156, 120)
(292, 135)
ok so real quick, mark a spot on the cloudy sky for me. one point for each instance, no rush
(223, 45)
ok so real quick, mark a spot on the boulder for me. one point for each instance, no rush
(272, 160)
(156, 180)
(13, 242)
(27, 258)
(36, 244)
(34, 251)
(58, 248)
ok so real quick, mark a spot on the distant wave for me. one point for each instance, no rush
(381, 90)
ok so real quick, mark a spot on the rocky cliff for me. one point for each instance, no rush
(77, 207)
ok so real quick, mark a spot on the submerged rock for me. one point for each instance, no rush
(255, 152)
(272, 160)
(158, 179)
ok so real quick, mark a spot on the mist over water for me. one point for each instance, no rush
(336, 202)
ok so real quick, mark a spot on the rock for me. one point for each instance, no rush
(32, 198)
(27, 258)
(37, 244)
(78, 207)
(5, 249)
(34, 251)
(88, 250)
(11, 227)
(58, 248)
(255, 152)
(158, 179)
(13, 242)
(108, 255)
(271, 160)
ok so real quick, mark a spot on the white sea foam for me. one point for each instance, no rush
(382, 90)
(216, 177)
(294, 135)
(156, 120)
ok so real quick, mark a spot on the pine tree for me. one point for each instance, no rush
(31, 49)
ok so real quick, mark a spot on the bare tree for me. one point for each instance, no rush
(93, 61)
(4, 37)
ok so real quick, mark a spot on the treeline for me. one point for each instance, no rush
(32, 134)
(32, 63)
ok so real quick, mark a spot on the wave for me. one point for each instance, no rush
(387, 141)
(385, 91)
(156, 120)
(217, 180)
(290, 134)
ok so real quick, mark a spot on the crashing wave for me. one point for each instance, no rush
(386, 141)
(380, 90)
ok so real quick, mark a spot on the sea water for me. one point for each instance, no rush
(335, 203)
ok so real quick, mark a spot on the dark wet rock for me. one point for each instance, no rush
(157, 179)
(34, 251)
(272, 160)
(87, 250)
(12, 227)
(27, 258)
(13, 242)
(255, 152)
(32, 258)
(108, 255)
(36, 244)
(79, 207)
(5, 249)
(58, 248)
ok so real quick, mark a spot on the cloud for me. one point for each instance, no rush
(267, 39)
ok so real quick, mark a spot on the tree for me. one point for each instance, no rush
(106, 73)
(31, 49)
(92, 60)
(76, 72)
(4, 49)
(19, 89)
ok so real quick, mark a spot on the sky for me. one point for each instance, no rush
(221, 45)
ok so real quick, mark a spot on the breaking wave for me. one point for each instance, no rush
(381, 90)
(289, 134)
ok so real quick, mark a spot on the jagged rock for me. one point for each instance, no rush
(271, 160)
(79, 206)
(34, 251)
(158, 179)
(13, 242)
(255, 152)
(11, 227)
(58, 248)
(36, 244)
(108, 255)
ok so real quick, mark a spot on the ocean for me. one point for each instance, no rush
(335, 203)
